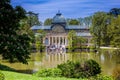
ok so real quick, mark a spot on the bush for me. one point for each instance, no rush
(55, 72)
(72, 69)
(77, 70)
(67, 68)
(2, 77)
(92, 67)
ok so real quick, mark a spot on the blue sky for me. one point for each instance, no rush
(69, 8)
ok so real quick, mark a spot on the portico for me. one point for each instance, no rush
(56, 39)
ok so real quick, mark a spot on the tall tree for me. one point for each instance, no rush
(115, 12)
(33, 19)
(48, 21)
(88, 21)
(71, 38)
(81, 20)
(13, 46)
(99, 28)
(39, 39)
(114, 31)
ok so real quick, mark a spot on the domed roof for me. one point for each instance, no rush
(58, 18)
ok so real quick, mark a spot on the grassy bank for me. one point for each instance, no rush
(19, 76)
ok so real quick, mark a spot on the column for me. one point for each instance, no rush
(49, 40)
(52, 40)
(62, 40)
(65, 41)
(55, 40)
(59, 40)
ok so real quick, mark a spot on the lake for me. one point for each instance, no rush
(107, 59)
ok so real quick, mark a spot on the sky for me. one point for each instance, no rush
(69, 8)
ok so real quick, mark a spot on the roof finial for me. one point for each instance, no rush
(58, 11)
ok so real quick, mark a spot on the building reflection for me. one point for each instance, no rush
(52, 60)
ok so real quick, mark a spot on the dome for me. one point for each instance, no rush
(58, 18)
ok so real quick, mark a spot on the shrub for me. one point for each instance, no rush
(55, 72)
(77, 70)
(72, 69)
(2, 77)
(92, 67)
(67, 68)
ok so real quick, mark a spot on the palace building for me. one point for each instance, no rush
(57, 32)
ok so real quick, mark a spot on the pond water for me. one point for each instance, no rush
(108, 60)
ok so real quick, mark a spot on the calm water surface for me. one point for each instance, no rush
(108, 60)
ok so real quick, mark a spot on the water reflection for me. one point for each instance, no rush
(108, 60)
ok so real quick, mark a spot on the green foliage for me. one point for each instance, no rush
(2, 77)
(115, 12)
(39, 39)
(71, 37)
(101, 77)
(55, 72)
(114, 31)
(75, 41)
(77, 70)
(92, 67)
(74, 22)
(85, 21)
(99, 29)
(67, 68)
(13, 46)
(106, 28)
(48, 21)
(32, 19)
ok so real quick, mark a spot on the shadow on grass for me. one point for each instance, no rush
(28, 71)
(6, 68)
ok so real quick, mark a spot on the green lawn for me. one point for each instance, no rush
(19, 76)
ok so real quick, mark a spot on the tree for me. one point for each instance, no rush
(99, 28)
(114, 31)
(80, 41)
(81, 20)
(115, 12)
(48, 21)
(71, 37)
(33, 19)
(13, 46)
(39, 39)
(74, 22)
(88, 21)
(85, 21)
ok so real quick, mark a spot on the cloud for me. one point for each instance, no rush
(70, 8)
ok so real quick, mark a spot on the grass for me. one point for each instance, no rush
(19, 76)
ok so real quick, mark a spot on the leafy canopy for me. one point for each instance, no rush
(13, 45)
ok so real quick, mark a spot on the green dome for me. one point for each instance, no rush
(58, 18)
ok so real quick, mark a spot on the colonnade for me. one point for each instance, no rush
(57, 40)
